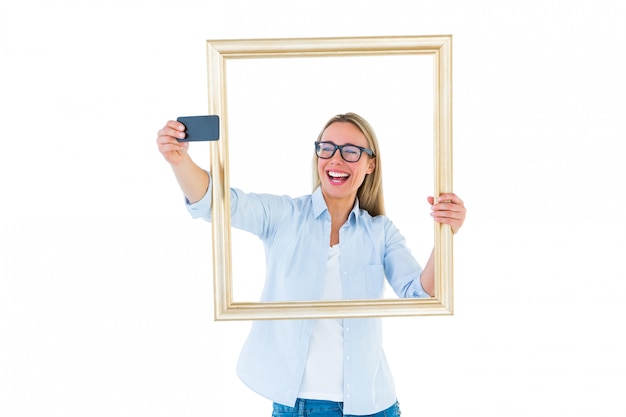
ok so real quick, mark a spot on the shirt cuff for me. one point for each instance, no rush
(202, 207)
(418, 290)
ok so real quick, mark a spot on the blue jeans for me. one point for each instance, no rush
(320, 408)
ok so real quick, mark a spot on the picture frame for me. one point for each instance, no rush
(221, 56)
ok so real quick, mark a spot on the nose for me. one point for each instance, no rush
(337, 156)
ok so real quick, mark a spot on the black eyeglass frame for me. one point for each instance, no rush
(340, 147)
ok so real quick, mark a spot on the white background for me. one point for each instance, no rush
(276, 109)
(105, 291)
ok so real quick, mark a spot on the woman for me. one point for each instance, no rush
(333, 244)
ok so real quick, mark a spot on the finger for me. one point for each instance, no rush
(165, 143)
(450, 202)
(176, 125)
(449, 197)
(174, 129)
(170, 126)
(449, 208)
(455, 224)
(169, 132)
(165, 138)
(448, 214)
(173, 147)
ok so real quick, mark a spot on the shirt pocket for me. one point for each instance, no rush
(374, 281)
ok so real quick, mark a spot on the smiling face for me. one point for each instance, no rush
(340, 180)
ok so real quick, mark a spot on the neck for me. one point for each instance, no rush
(339, 208)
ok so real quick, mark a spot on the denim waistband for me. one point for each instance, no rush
(304, 407)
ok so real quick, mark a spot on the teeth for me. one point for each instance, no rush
(337, 174)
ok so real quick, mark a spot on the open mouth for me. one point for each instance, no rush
(337, 177)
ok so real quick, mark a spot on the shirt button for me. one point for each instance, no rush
(347, 358)
(347, 385)
(347, 329)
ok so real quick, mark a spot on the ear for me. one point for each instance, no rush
(371, 167)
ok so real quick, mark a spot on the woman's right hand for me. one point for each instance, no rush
(172, 150)
(193, 180)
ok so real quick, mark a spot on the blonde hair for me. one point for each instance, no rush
(370, 193)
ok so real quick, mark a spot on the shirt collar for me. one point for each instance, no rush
(319, 206)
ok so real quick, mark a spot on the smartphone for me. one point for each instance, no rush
(200, 128)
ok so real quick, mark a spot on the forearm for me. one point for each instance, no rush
(193, 180)
(447, 209)
(427, 278)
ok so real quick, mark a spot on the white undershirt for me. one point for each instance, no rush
(323, 375)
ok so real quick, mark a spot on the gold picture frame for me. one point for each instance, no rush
(219, 54)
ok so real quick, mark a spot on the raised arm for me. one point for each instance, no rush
(448, 209)
(193, 180)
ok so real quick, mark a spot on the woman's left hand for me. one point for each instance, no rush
(448, 209)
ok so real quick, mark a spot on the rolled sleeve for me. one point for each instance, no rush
(417, 291)
(402, 270)
(202, 207)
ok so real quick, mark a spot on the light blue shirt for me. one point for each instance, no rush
(296, 237)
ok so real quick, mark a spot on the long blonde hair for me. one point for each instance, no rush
(370, 193)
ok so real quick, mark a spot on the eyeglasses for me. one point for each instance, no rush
(349, 153)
